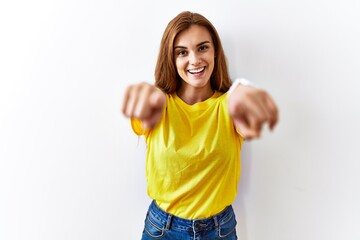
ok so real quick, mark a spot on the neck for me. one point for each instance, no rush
(194, 95)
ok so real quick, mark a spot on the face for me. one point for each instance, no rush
(194, 55)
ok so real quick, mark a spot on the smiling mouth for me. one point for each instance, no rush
(196, 71)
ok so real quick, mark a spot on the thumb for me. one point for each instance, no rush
(245, 130)
(157, 99)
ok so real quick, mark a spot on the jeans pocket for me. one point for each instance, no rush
(153, 228)
(227, 226)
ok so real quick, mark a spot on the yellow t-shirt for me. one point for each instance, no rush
(193, 157)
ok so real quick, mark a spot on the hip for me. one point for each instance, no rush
(162, 225)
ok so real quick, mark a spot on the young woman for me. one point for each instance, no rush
(194, 127)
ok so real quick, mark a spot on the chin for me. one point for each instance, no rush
(198, 84)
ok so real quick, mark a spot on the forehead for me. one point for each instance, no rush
(192, 36)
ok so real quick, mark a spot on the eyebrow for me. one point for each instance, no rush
(204, 42)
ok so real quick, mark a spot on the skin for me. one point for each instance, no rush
(250, 108)
(194, 59)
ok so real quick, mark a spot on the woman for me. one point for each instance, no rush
(194, 127)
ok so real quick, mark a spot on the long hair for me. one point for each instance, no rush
(166, 76)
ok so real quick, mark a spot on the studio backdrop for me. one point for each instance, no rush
(72, 169)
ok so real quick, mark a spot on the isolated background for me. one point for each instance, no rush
(71, 168)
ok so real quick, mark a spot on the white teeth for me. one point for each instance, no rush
(196, 70)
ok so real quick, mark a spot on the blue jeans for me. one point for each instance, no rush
(162, 225)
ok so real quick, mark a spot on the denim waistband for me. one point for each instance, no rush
(171, 221)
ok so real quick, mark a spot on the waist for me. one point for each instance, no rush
(172, 221)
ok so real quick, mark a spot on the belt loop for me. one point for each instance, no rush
(216, 222)
(168, 222)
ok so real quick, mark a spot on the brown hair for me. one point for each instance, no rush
(166, 76)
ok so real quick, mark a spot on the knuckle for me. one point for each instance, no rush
(129, 88)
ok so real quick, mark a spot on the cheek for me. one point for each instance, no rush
(179, 65)
(213, 62)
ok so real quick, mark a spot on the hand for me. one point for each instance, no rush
(250, 109)
(144, 102)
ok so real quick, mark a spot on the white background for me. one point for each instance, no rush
(71, 168)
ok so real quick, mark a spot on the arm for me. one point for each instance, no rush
(250, 109)
(145, 102)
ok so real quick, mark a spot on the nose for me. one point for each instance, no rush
(194, 58)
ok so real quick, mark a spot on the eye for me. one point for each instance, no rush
(203, 48)
(181, 53)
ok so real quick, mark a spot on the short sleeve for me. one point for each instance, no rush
(137, 127)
